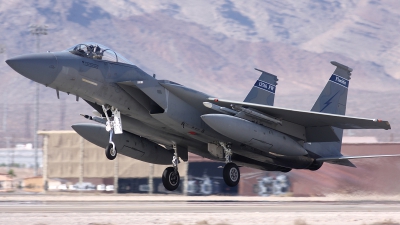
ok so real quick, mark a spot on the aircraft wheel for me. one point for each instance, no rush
(170, 179)
(111, 152)
(231, 174)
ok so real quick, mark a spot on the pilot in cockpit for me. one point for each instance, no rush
(80, 50)
(98, 54)
(94, 52)
(90, 51)
(97, 49)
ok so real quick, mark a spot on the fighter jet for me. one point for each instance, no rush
(160, 121)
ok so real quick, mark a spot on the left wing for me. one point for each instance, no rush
(308, 118)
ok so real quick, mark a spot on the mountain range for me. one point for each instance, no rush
(213, 46)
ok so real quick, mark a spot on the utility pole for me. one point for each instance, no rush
(151, 181)
(116, 174)
(8, 154)
(37, 30)
(5, 99)
(45, 162)
(82, 156)
(5, 96)
(5, 109)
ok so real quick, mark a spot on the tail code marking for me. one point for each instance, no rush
(265, 86)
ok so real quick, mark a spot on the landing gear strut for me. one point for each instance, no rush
(170, 177)
(231, 173)
(114, 126)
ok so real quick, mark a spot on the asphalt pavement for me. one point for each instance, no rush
(180, 210)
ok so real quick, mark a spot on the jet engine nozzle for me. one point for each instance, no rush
(41, 68)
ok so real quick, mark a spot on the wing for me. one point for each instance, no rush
(310, 119)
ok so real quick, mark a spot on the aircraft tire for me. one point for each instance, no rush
(231, 174)
(111, 153)
(170, 179)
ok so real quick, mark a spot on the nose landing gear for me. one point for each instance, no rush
(113, 125)
(111, 150)
(170, 177)
(231, 172)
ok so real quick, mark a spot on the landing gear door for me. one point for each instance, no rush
(117, 122)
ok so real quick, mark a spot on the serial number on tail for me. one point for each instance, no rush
(265, 86)
(339, 80)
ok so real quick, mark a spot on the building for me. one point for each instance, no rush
(6, 183)
(68, 156)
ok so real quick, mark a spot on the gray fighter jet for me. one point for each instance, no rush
(160, 121)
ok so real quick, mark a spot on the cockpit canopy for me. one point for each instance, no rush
(97, 51)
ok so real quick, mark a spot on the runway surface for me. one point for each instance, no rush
(100, 210)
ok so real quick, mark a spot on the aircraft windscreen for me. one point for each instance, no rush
(97, 51)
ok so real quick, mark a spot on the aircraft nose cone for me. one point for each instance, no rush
(41, 68)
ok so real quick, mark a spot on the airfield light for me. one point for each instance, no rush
(37, 30)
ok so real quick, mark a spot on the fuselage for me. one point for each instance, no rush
(96, 82)
(162, 111)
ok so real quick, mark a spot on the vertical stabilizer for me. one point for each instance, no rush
(263, 91)
(333, 100)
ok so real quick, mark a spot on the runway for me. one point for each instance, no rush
(96, 210)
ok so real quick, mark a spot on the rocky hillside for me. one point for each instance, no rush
(213, 46)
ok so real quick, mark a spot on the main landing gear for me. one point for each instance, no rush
(114, 126)
(170, 177)
(231, 172)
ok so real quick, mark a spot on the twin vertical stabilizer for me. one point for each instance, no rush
(333, 100)
(263, 91)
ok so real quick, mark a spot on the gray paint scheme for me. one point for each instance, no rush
(166, 113)
(333, 99)
(261, 96)
(310, 119)
(41, 68)
(257, 136)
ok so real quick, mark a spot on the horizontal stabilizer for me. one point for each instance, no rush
(326, 159)
(344, 160)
